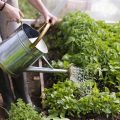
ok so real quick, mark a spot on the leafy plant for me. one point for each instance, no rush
(91, 45)
(64, 95)
(54, 118)
(22, 111)
(67, 99)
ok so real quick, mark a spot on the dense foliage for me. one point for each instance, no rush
(22, 111)
(73, 100)
(91, 45)
(94, 47)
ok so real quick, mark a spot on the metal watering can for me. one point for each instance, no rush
(22, 48)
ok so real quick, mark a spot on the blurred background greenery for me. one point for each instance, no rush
(28, 10)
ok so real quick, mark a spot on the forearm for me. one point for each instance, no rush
(39, 6)
(44, 11)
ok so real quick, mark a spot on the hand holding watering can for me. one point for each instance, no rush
(15, 14)
(23, 47)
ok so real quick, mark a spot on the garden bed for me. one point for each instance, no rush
(94, 47)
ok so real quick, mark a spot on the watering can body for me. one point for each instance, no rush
(16, 53)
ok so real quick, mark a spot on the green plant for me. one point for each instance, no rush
(91, 45)
(67, 99)
(22, 111)
(100, 103)
(54, 118)
(62, 98)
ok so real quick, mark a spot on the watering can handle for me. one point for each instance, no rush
(47, 26)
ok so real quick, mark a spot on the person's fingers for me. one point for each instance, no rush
(18, 20)
(9, 20)
(47, 19)
(54, 20)
(14, 20)
(21, 14)
(50, 20)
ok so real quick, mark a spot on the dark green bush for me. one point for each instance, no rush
(90, 45)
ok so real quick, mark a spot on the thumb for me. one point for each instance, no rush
(47, 19)
(21, 14)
